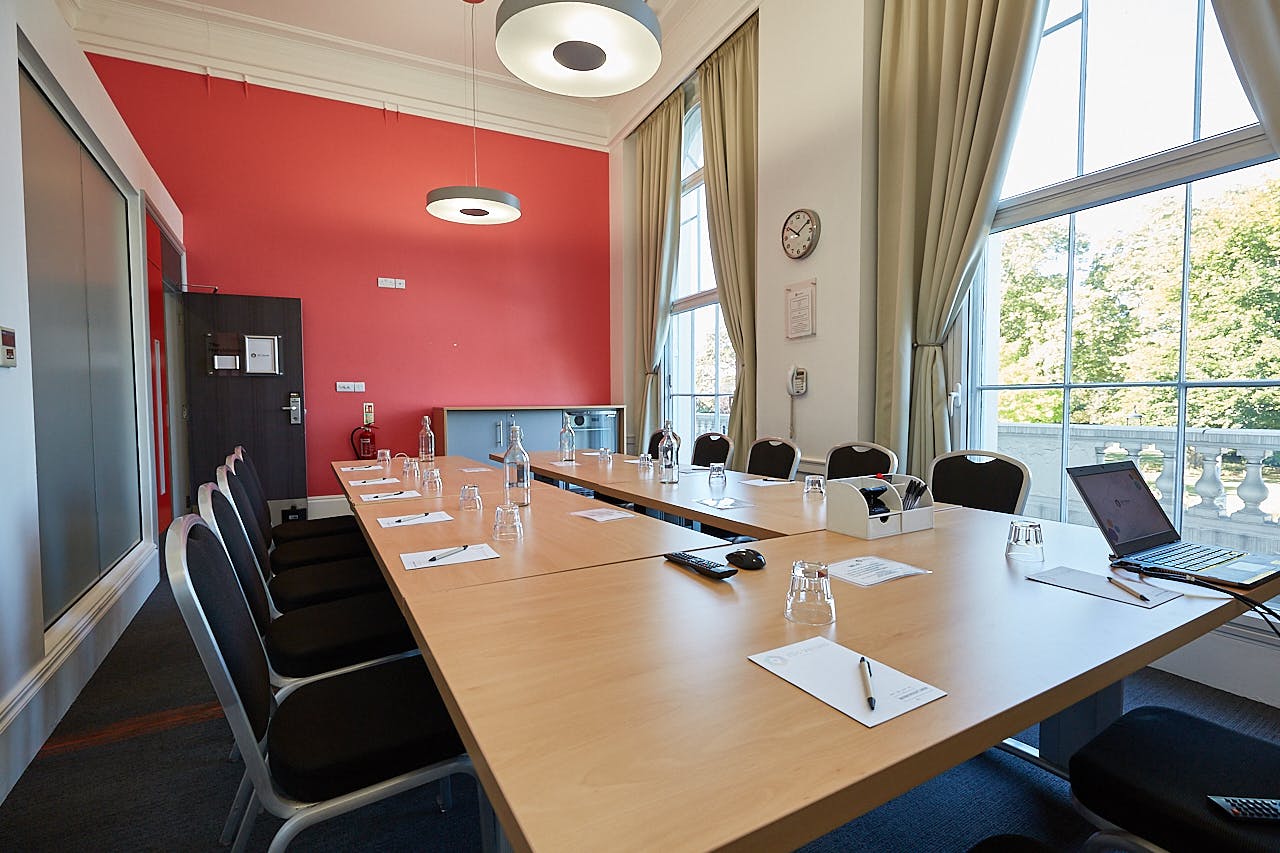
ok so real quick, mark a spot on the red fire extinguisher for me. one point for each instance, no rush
(363, 443)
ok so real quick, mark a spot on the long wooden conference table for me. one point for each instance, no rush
(613, 706)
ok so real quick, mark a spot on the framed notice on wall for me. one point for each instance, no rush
(802, 309)
(262, 354)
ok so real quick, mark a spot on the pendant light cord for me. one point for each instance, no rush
(475, 156)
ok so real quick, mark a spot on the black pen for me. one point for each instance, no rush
(402, 519)
(386, 495)
(448, 553)
(864, 666)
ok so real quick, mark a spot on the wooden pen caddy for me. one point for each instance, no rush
(849, 513)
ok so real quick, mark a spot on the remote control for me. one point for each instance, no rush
(1249, 808)
(702, 566)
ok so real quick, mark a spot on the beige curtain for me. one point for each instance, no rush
(727, 85)
(658, 223)
(1251, 29)
(953, 76)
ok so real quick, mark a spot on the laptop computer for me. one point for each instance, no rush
(1141, 535)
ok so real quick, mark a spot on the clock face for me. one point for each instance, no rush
(800, 233)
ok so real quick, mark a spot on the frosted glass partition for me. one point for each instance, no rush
(81, 357)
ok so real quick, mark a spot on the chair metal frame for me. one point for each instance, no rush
(863, 445)
(990, 454)
(714, 437)
(257, 789)
(775, 439)
(1110, 837)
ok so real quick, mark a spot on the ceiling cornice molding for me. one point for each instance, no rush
(686, 42)
(190, 37)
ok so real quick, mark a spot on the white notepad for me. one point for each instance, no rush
(830, 672)
(603, 514)
(360, 468)
(381, 481)
(484, 470)
(422, 559)
(1098, 585)
(416, 518)
(766, 482)
(869, 571)
(725, 503)
(389, 496)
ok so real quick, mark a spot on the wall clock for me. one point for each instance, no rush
(800, 233)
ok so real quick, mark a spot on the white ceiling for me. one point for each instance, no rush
(405, 55)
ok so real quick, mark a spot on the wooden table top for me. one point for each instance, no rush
(554, 540)
(778, 510)
(614, 708)
(450, 471)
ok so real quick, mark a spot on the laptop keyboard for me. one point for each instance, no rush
(1188, 557)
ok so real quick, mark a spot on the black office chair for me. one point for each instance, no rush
(311, 640)
(656, 438)
(286, 531)
(300, 552)
(774, 457)
(321, 747)
(301, 586)
(712, 447)
(998, 483)
(1145, 779)
(860, 459)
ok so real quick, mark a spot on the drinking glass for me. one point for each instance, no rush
(412, 475)
(715, 475)
(384, 461)
(506, 522)
(809, 600)
(1026, 541)
(814, 484)
(644, 462)
(432, 485)
(606, 455)
(469, 498)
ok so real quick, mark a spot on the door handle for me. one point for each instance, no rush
(294, 408)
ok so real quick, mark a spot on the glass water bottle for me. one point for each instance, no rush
(668, 456)
(426, 441)
(516, 465)
(566, 441)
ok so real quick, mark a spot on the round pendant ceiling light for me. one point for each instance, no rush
(473, 205)
(584, 48)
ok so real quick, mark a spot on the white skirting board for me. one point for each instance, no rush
(326, 506)
(75, 647)
(1239, 657)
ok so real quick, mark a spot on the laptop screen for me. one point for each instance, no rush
(1123, 506)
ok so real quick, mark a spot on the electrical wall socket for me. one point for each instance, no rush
(391, 283)
(351, 386)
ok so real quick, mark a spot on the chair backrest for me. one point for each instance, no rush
(656, 438)
(998, 483)
(213, 608)
(712, 447)
(238, 463)
(233, 487)
(860, 459)
(774, 457)
(220, 515)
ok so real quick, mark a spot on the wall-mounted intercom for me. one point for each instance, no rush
(798, 382)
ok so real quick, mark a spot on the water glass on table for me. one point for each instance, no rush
(645, 462)
(814, 485)
(715, 475)
(384, 461)
(506, 522)
(432, 485)
(469, 498)
(809, 599)
(1026, 541)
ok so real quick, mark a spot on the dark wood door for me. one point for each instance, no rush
(232, 396)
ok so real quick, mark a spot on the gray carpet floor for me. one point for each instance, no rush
(139, 763)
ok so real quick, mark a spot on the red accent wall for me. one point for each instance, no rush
(291, 195)
(158, 346)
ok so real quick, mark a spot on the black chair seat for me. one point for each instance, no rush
(322, 582)
(321, 549)
(329, 636)
(291, 531)
(339, 734)
(1151, 771)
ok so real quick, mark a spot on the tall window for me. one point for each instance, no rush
(1132, 293)
(701, 363)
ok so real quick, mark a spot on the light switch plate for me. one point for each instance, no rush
(8, 347)
(387, 282)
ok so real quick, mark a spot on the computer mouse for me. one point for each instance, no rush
(747, 558)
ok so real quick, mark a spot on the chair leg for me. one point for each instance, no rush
(1106, 840)
(490, 832)
(246, 825)
(237, 810)
(234, 755)
(444, 797)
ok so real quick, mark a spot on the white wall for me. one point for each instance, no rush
(41, 673)
(814, 153)
(816, 150)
